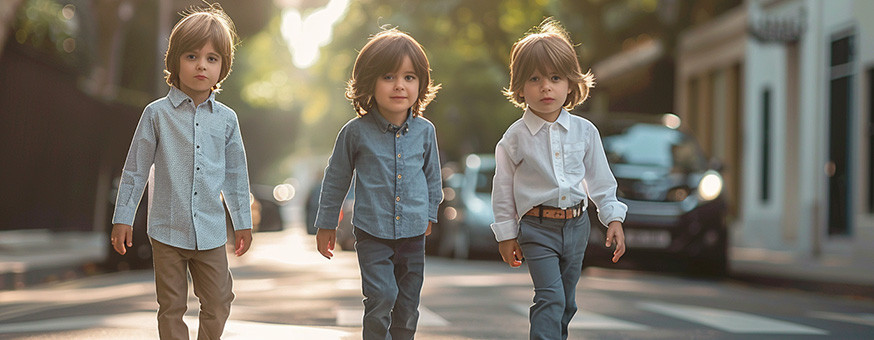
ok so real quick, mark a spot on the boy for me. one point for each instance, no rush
(548, 164)
(193, 146)
(392, 152)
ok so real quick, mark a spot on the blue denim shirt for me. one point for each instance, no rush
(197, 153)
(396, 172)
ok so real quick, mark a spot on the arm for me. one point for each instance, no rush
(506, 226)
(137, 165)
(433, 176)
(236, 187)
(335, 186)
(601, 186)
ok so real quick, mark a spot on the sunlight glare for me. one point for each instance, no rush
(305, 35)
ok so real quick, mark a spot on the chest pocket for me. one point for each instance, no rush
(573, 157)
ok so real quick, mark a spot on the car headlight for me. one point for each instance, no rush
(710, 186)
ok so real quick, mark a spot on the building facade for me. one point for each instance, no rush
(808, 77)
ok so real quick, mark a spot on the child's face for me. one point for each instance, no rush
(545, 94)
(199, 71)
(397, 91)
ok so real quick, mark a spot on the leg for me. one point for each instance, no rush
(213, 286)
(576, 237)
(409, 269)
(377, 283)
(541, 244)
(171, 287)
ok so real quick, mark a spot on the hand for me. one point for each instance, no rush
(428, 231)
(121, 234)
(511, 253)
(325, 240)
(617, 236)
(242, 241)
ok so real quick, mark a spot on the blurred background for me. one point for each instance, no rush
(775, 96)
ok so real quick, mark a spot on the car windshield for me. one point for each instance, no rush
(656, 146)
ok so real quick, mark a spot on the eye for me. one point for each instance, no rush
(190, 56)
(388, 77)
(410, 77)
(556, 78)
(213, 59)
(534, 78)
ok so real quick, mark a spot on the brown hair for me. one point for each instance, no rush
(547, 47)
(198, 26)
(384, 53)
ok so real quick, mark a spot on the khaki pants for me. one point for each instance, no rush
(212, 286)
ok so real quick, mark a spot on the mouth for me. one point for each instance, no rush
(200, 77)
(398, 98)
(547, 100)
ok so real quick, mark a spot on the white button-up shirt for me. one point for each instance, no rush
(197, 153)
(558, 164)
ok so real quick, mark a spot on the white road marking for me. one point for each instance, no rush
(352, 316)
(588, 320)
(729, 321)
(859, 318)
(234, 329)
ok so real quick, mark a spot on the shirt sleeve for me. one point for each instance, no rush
(135, 174)
(338, 177)
(600, 183)
(432, 175)
(506, 226)
(236, 186)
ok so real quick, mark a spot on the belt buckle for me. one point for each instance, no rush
(576, 212)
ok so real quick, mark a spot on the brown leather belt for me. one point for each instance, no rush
(543, 211)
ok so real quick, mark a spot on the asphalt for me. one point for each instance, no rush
(36, 257)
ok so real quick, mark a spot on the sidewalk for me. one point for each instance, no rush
(30, 257)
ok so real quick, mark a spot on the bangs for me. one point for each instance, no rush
(548, 56)
(203, 29)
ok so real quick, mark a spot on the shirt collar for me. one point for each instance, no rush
(535, 123)
(177, 97)
(386, 126)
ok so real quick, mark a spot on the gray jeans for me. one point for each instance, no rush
(392, 273)
(553, 250)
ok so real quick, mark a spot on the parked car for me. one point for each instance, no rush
(345, 238)
(676, 206)
(466, 213)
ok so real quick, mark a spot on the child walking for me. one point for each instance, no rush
(192, 144)
(390, 151)
(548, 164)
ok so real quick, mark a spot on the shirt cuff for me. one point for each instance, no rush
(506, 230)
(124, 216)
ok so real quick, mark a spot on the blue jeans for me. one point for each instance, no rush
(392, 272)
(553, 250)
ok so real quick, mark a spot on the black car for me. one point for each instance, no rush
(345, 238)
(676, 209)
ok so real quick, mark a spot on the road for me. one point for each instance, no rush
(285, 290)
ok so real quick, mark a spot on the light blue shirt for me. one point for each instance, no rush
(397, 177)
(198, 157)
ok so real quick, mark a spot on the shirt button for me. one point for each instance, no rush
(198, 146)
(398, 135)
(399, 155)
(397, 199)
(563, 198)
(195, 193)
(556, 155)
(198, 168)
(196, 124)
(399, 176)
(397, 218)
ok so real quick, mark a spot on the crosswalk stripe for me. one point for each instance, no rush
(859, 318)
(729, 321)
(351, 316)
(588, 320)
